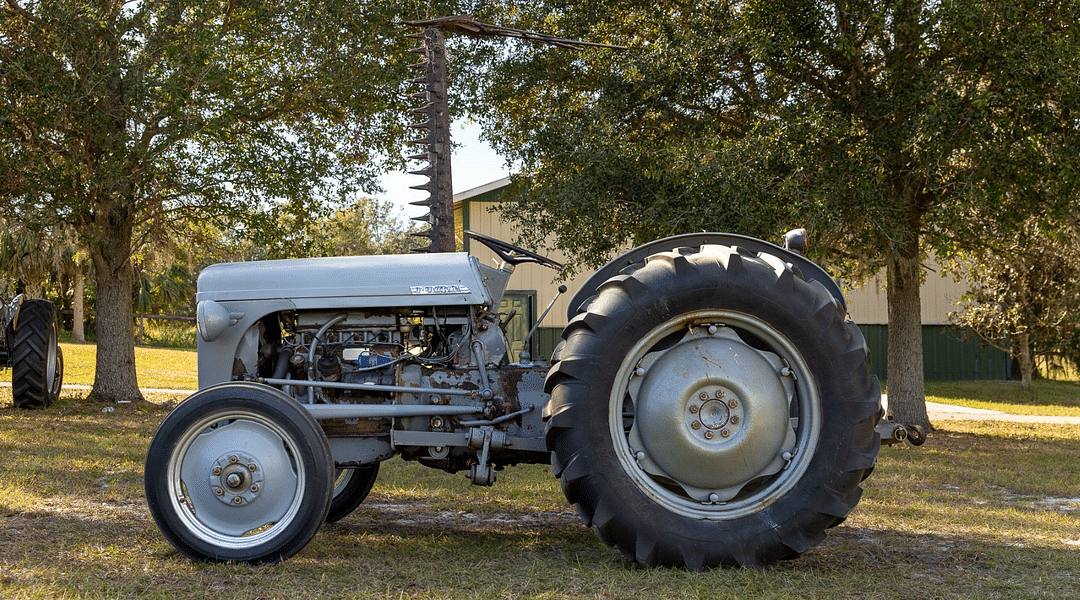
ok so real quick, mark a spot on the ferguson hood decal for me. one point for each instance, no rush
(439, 289)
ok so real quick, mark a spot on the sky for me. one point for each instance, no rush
(473, 164)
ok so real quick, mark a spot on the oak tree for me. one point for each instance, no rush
(123, 118)
(876, 125)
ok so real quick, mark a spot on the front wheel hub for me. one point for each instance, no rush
(712, 414)
(236, 478)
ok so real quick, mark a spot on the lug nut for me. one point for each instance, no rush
(708, 435)
(253, 467)
(732, 403)
(734, 419)
(218, 491)
(696, 424)
(719, 393)
(703, 396)
(254, 488)
(693, 409)
(216, 471)
(724, 433)
(233, 459)
(238, 500)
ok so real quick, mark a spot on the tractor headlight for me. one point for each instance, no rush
(213, 320)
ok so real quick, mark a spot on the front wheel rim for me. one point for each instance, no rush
(697, 408)
(236, 479)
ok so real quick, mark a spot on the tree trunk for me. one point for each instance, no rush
(78, 312)
(114, 377)
(907, 397)
(1027, 366)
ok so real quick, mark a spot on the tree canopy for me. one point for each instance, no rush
(883, 127)
(124, 119)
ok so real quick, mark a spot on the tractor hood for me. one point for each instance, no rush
(357, 281)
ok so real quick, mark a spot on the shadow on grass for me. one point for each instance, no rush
(376, 552)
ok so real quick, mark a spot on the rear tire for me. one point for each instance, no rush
(710, 407)
(239, 472)
(37, 364)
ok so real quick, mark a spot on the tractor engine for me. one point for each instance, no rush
(408, 359)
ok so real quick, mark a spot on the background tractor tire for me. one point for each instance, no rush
(37, 365)
(711, 407)
(351, 487)
(239, 472)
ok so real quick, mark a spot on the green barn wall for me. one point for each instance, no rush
(947, 354)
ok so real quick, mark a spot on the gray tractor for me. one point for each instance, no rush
(710, 403)
(28, 346)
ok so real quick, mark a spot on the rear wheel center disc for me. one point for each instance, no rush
(712, 412)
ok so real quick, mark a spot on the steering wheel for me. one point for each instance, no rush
(512, 254)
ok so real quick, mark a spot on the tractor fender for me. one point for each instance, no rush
(809, 269)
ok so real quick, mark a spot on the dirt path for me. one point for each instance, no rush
(87, 388)
(946, 412)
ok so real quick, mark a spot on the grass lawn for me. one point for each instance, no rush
(156, 367)
(983, 510)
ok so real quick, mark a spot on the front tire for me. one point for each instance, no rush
(710, 407)
(239, 472)
(37, 366)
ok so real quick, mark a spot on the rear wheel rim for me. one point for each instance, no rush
(678, 490)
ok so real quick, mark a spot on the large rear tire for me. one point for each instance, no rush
(710, 407)
(37, 365)
(239, 472)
